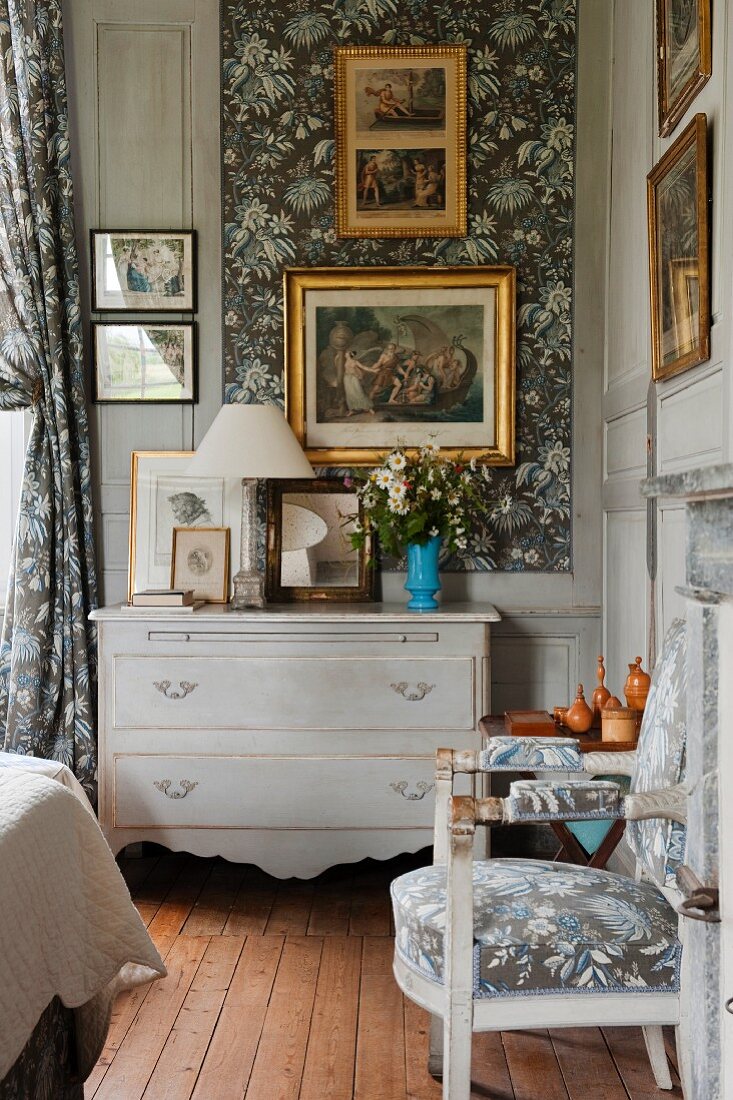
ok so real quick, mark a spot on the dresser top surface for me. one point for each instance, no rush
(305, 613)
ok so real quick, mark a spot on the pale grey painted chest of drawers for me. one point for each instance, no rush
(293, 737)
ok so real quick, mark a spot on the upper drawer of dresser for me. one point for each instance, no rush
(308, 693)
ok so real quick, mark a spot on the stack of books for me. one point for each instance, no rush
(168, 599)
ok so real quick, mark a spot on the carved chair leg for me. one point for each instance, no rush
(435, 1056)
(654, 1039)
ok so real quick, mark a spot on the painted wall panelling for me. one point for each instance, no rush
(143, 94)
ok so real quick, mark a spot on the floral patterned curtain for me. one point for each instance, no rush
(47, 648)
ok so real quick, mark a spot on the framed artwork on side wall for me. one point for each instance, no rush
(677, 194)
(400, 141)
(377, 358)
(684, 57)
(151, 363)
(143, 270)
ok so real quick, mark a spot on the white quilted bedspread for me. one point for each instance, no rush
(67, 923)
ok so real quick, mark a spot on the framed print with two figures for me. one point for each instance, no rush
(400, 141)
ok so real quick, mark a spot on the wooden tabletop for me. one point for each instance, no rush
(492, 725)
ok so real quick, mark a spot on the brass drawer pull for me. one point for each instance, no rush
(401, 787)
(185, 785)
(185, 687)
(403, 688)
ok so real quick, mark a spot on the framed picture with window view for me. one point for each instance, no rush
(151, 363)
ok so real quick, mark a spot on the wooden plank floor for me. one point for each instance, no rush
(284, 991)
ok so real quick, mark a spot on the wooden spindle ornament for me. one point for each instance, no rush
(600, 696)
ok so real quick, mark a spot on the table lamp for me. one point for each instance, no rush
(249, 442)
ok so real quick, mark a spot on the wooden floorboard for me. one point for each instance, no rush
(283, 990)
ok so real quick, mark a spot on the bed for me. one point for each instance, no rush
(72, 939)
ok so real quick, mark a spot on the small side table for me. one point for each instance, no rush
(571, 849)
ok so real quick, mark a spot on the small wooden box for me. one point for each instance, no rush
(530, 723)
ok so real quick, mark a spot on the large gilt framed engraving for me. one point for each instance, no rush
(677, 193)
(684, 57)
(400, 141)
(377, 358)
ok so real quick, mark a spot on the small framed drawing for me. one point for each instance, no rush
(163, 497)
(143, 270)
(149, 362)
(200, 560)
(400, 141)
(377, 358)
(677, 193)
(309, 555)
(684, 57)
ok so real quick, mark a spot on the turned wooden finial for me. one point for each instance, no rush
(601, 695)
(580, 716)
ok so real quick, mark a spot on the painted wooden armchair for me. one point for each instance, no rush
(520, 943)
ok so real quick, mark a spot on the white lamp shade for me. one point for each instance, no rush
(250, 441)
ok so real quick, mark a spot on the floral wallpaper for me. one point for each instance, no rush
(278, 189)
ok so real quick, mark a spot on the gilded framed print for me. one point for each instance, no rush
(677, 194)
(200, 561)
(143, 270)
(400, 141)
(309, 555)
(143, 363)
(684, 57)
(381, 357)
(164, 497)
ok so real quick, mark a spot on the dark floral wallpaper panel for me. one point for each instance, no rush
(278, 211)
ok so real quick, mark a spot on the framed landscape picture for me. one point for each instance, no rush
(144, 363)
(377, 358)
(163, 497)
(684, 57)
(677, 191)
(309, 555)
(151, 271)
(400, 141)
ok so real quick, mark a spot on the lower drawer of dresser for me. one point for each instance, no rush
(272, 792)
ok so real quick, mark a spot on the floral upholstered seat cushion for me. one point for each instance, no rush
(560, 800)
(544, 928)
(518, 754)
(660, 758)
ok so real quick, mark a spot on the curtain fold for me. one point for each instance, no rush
(47, 646)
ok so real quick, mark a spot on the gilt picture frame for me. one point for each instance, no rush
(382, 357)
(400, 117)
(678, 219)
(309, 556)
(684, 57)
(143, 270)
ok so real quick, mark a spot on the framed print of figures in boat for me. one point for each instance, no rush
(684, 57)
(400, 141)
(381, 357)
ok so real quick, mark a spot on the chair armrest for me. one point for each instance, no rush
(562, 800)
(609, 763)
(521, 754)
(670, 803)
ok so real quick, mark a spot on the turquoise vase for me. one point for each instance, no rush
(423, 578)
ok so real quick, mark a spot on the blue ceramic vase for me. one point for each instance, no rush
(423, 577)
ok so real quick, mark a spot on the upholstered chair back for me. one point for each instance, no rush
(659, 845)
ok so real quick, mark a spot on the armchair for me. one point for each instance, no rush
(518, 943)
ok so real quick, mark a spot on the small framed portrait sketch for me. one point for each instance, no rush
(151, 363)
(200, 561)
(164, 497)
(143, 271)
(377, 358)
(677, 193)
(400, 141)
(684, 56)
(309, 554)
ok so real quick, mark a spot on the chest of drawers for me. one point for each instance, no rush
(293, 738)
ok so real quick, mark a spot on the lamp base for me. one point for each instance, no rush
(249, 590)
